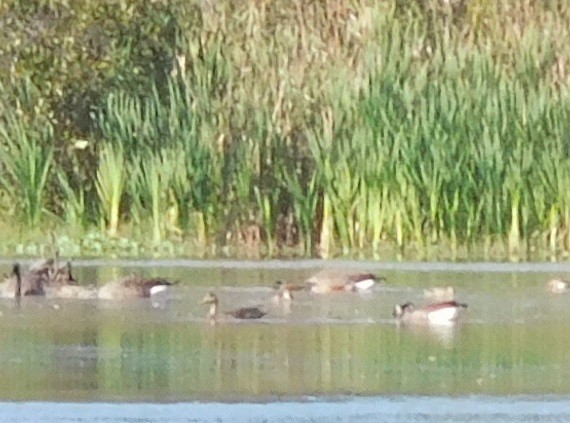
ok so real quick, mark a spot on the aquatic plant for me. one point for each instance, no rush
(111, 179)
(411, 124)
(26, 153)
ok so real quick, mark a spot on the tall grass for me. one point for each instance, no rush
(26, 155)
(111, 179)
(151, 193)
(417, 124)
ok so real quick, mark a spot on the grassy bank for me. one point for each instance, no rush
(422, 128)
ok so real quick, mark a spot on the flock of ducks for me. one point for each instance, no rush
(49, 277)
(442, 307)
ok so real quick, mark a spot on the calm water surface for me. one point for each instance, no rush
(340, 352)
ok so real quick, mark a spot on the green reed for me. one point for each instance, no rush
(151, 193)
(75, 205)
(392, 123)
(26, 154)
(111, 180)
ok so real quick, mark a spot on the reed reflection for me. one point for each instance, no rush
(327, 345)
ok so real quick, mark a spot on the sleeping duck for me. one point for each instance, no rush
(134, 286)
(334, 280)
(444, 313)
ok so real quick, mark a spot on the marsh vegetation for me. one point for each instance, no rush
(287, 127)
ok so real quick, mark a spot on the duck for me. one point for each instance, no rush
(440, 293)
(62, 276)
(332, 280)
(557, 286)
(443, 313)
(59, 281)
(290, 286)
(132, 287)
(283, 291)
(283, 296)
(42, 266)
(19, 285)
(47, 267)
(244, 313)
(18, 288)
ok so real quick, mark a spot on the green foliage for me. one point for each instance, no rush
(26, 155)
(111, 179)
(150, 191)
(415, 123)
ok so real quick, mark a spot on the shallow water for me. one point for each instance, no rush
(359, 410)
(513, 340)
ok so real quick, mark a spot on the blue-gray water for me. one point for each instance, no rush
(337, 357)
(357, 410)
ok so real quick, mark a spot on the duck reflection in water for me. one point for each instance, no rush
(438, 321)
(444, 335)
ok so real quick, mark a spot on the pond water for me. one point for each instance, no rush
(340, 352)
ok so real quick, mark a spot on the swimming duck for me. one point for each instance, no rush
(18, 285)
(62, 276)
(133, 287)
(283, 296)
(47, 267)
(440, 293)
(332, 280)
(283, 291)
(61, 283)
(290, 286)
(240, 313)
(16, 274)
(557, 286)
(444, 313)
(42, 266)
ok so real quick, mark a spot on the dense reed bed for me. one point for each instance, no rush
(293, 127)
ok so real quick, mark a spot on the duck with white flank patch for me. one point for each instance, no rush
(333, 280)
(557, 286)
(132, 287)
(444, 313)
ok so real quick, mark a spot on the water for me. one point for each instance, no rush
(359, 410)
(343, 353)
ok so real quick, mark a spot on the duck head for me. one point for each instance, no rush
(209, 298)
(282, 291)
(17, 274)
(401, 309)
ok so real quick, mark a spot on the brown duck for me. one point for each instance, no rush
(333, 280)
(133, 287)
(240, 313)
(22, 285)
